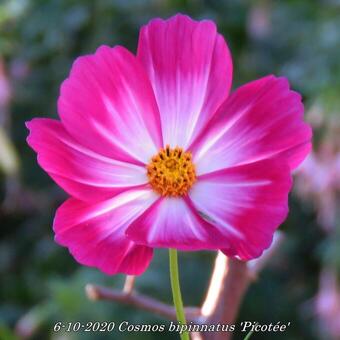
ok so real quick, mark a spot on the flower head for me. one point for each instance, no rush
(156, 153)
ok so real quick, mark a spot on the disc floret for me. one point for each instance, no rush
(171, 172)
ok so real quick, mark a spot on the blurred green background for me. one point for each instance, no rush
(40, 283)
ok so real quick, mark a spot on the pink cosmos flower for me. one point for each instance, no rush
(156, 153)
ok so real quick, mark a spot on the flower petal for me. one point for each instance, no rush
(173, 223)
(260, 120)
(80, 171)
(95, 233)
(190, 69)
(245, 203)
(108, 105)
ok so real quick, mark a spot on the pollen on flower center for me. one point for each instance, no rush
(171, 172)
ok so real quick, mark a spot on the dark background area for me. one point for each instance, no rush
(40, 283)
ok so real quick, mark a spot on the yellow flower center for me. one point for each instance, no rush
(171, 172)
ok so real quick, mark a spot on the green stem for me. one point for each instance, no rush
(176, 291)
(248, 335)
